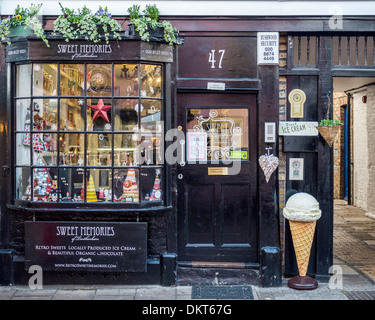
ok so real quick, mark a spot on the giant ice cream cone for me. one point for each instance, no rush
(302, 211)
(303, 235)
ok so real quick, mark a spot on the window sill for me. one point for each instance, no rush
(31, 207)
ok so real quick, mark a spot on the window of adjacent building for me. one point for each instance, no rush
(89, 133)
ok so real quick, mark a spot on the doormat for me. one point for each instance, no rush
(222, 292)
(360, 295)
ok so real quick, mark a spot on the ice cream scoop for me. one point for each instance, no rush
(302, 207)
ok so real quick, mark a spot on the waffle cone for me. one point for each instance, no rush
(303, 235)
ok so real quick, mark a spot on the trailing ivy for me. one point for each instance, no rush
(150, 20)
(73, 25)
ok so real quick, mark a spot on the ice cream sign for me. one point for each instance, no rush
(298, 128)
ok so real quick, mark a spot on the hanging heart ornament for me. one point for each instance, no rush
(269, 164)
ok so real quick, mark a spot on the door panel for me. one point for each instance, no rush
(217, 212)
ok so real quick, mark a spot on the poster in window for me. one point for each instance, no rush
(197, 146)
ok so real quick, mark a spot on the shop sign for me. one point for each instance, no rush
(16, 52)
(298, 128)
(268, 47)
(296, 168)
(89, 51)
(86, 246)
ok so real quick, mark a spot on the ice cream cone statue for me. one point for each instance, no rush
(302, 211)
(156, 191)
(91, 193)
(130, 189)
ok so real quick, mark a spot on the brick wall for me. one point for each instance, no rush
(339, 100)
(282, 117)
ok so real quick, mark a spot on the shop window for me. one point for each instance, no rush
(89, 133)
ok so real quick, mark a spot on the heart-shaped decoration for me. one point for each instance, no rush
(269, 164)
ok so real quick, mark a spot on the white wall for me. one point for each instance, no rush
(364, 149)
(211, 7)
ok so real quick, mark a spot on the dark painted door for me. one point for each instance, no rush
(217, 198)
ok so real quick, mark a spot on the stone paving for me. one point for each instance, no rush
(354, 260)
(354, 238)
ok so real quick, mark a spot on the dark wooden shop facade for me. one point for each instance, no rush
(209, 226)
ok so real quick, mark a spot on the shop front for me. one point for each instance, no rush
(130, 165)
(135, 162)
(91, 193)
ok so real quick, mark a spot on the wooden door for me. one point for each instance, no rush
(217, 198)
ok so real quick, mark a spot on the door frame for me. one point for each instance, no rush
(218, 250)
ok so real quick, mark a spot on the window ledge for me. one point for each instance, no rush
(101, 209)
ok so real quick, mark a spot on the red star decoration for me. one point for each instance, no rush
(100, 110)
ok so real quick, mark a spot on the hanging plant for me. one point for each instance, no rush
(148, 25)
(83, 23)
(329, 128)
(25, 19)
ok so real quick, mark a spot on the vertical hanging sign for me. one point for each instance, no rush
(268, 48)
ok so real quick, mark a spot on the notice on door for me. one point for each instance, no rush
(86, 246)
(268, 47)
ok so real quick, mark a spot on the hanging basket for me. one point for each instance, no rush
(329, 133)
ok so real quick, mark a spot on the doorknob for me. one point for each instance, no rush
(180, 176)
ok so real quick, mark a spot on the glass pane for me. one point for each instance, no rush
(99, 185)
(45, 114)
(99, 114)
(148, 150)
(45, 184)
(150, 115)
(44, 79)
(126, 114)
(151, 81)
(72, 114)
(126, 185)
(99, 80)
(23, 184)
(23, 82)
(72, 79)
(227, 132)
(126, 80)
(71, 184)
(72, 146)
(124, 147)
(152, 185)
(44, 149)
(23, 149)
(99, 149)
(23, 115)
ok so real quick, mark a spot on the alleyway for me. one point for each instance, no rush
(354, 238)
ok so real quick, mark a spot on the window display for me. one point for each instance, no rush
(79, 125)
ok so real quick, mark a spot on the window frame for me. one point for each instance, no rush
(59, 204)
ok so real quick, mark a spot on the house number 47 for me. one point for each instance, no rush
(211, 58)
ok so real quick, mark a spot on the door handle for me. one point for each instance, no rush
(182, 162)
